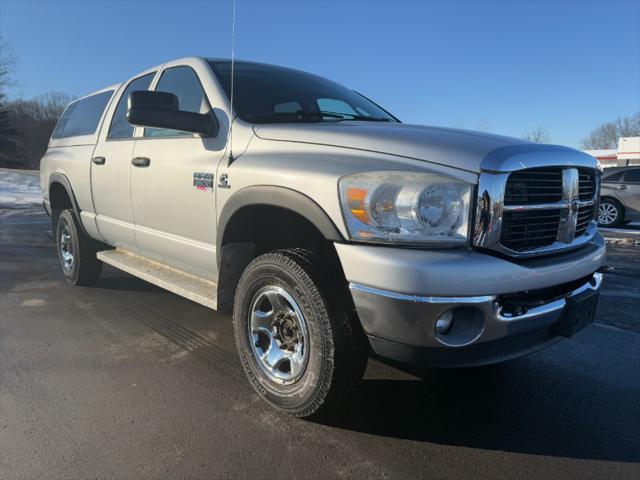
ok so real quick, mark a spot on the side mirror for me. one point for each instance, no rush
(161, 110)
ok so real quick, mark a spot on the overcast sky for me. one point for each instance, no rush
(506, 67)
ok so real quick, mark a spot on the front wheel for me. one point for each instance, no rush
(610, 213)
(299, 339)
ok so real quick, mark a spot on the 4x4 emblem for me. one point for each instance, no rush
(223, 181)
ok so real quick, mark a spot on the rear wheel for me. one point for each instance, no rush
(76, 250)
(610, 213)
(299, 339)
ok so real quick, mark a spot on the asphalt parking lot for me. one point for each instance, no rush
(124, 380)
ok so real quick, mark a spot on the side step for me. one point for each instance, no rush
(181, 283)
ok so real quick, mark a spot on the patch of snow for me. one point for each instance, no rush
(19, 188)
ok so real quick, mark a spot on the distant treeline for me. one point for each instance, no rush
(25, 128)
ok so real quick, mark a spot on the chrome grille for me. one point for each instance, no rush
(536, 210)
(585, 215)
(542, 185)
(587, 184)
(588, 187)
(525, 230)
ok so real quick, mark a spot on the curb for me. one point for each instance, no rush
(623, 242)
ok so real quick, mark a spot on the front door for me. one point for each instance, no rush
(172, 184)
(110, 172)
(629, 192)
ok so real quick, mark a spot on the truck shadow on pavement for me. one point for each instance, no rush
(523, 407)
(126, 283)
(563, 402)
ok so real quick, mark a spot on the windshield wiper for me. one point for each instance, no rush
(354, 116)
(297, 115)
(308, 115)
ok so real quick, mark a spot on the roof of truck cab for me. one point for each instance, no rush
(113, 87)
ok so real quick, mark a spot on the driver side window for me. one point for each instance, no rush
(632, 176)
(120, 127)
(184, 84)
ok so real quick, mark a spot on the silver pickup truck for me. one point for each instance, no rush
(330, 228)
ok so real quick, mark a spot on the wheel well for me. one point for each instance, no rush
(613, 200)
(59, 200)
(270, 227)
(618, 203)
(59, 197)
(257, 229)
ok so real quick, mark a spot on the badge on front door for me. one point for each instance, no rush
(203, 181)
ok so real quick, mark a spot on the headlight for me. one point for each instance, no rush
(406, 207)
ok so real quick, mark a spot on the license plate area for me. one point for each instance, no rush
(579, 312)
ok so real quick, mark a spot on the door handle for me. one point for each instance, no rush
(140, 162)
(99, 160)
(622, 187)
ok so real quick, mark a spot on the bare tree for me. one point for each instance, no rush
(607, 134)
(25, 125)
(34, 121)
(8, 63)
(537, 135)
(8, 133)
(484, 125)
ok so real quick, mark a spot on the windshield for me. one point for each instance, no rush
(270, 94)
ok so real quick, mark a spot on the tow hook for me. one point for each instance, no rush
(606, 269)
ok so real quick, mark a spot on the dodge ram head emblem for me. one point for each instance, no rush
(574, 205)
(571, 201)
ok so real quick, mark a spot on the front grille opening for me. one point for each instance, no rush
(530, 229)
(587, 184)
(536, 185)
(519, 302)
(524, 229)
(585, 216)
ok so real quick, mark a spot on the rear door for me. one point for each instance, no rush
(172, 181)
(110, 170)
(629, 193)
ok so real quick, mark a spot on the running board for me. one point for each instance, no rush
(181, 283)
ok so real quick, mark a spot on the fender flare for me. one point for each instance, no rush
(277, 197)
(57, 177)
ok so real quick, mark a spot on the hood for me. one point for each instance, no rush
(462, 149)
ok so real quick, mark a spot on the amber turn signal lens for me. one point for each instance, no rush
(355, 200)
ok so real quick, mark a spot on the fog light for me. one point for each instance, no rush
(459, 326)
(444, 322)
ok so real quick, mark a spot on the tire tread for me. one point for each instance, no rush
(346, 345)
(88, 266)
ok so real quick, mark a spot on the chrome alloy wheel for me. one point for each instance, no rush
(278, 335)
(66, 248)
(607, 213)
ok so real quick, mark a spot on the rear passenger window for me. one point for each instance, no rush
(614, 177)
(184, 84)
(120, 126)
(632, 176)
(82, 117)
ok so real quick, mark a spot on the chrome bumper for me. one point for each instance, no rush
(397, 320)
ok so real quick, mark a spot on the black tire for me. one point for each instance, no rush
(612, 205)
(84, 268)
(337, 346)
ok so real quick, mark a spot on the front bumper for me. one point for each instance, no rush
(402, 324)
